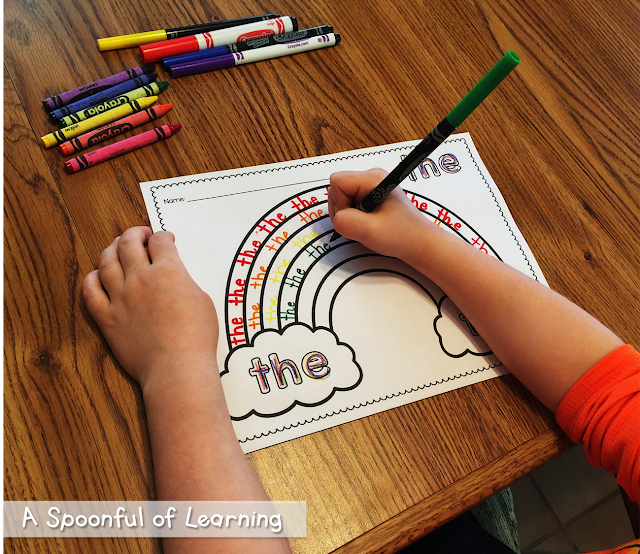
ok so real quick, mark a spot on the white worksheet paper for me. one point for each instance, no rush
(314, 332)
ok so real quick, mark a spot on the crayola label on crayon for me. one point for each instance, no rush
(108, 133)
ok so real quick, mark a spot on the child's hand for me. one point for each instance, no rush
(389, 230)
(149, 309)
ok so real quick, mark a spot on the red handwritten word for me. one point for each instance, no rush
(443, 216)
(248, 254)
(476, 242)
(236, 297)
(237, 336)
(302, 203)
(273, 222)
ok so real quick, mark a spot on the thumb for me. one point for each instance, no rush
(355, 225)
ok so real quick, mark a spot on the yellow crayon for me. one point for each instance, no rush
(152, 89)
(58, 137)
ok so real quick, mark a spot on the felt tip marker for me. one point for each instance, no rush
(249, 45)
(436, 137)
(250, 56)
(137, 39)
(79, 93)
(63, 135)
(148, 90)
(113, 129)
(205, 41)
(122, 147)
(100, 97)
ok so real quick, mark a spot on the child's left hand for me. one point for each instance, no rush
(152, 313)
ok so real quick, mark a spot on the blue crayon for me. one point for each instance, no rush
(249, 45)
(112, 92)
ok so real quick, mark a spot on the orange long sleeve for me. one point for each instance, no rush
(602, 410)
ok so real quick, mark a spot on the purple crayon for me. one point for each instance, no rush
(64, 98)
(127, 86)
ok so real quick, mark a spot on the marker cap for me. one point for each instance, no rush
(483, 88)
(198, 66)
(129, 41)
(173, 47)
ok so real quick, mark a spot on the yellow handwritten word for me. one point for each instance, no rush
(273, 310)
(279, 271)
(300, 242)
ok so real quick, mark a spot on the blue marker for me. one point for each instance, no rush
(112, 92)
(249, 45)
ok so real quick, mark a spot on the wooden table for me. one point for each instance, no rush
(560, 137)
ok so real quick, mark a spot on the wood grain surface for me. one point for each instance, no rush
(560, 138)
(74, 422)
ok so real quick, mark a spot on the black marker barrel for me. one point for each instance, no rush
(434, 139)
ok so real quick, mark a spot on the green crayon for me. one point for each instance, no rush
(148, 90)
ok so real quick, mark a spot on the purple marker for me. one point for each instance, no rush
(84, 91)
(249, 56)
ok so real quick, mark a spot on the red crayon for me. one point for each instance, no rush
(113, 129)
(138, 141)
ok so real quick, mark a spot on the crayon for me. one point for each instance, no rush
(100, 97)
(137, 39)
(122, 147)
(79, 93)
(58, 137)
(204, 41)
(250, 56)
(113, 129)
(148, 90)
(438, 135)
(249, 45)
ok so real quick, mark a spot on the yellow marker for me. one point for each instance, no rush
(137, 39)
(58, 137)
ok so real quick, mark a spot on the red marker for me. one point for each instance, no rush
(122, 147)
(113, 129)
(223, 37)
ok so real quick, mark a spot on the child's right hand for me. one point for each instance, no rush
(391, 229)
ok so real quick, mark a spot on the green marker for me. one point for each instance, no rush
(436, 137)
(152, 89)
